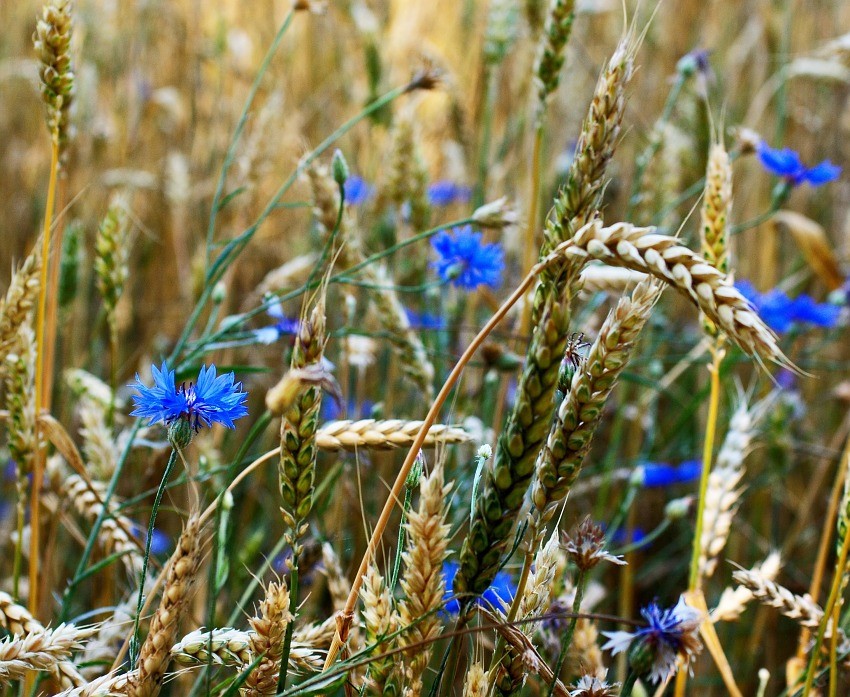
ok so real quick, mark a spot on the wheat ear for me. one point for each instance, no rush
(477, 683)
(662, 256)
(570, 435)
(733, 601)
(180, 574)
(19, 301)
(422, 580)
(379, 620)
(369, 434)
(39, 650)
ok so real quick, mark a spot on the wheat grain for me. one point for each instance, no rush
(379, 620)
(18, 302)
(267, 640)
(40, 650)
(733, 601)
(477, 683)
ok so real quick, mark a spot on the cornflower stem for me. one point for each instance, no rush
(835, 591)
(134, 641)
(531, 246)
(290, 626)
(240, 127)
(581, 584)
(628, 684)
(694, 580)
(40, 379)
(347, 613)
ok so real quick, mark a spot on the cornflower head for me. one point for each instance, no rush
(465, 260)
(212, 399)
(283, 326)
(660, 474)
(592, 686)
(786, 163)
(500, 592)
(653, 650)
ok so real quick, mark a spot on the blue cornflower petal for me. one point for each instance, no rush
(660, 474)
(820, 314)
(162, 402)
(786, 163)
(445, 193)
(822, 173)
(424, 320)
(357, 190)
(465, 261)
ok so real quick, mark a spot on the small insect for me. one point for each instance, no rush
(574, 356)
(577, 350)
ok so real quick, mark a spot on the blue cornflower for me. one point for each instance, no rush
(780, 312)
(211, 400)
(465, 260)
(654, 649)
(502, 590)
(786, 163)
(446, 192)
(357, 190)
(283, 326)
(660, 474)
(160, 541)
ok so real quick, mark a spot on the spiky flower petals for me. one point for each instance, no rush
(466, 261)
(654, 650)
(585, 546)
(213, 399)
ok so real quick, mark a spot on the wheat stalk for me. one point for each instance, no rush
(179, 576)
(371, 434)
(422, 580)
(297, 469)
(477, 683)
(733, 601)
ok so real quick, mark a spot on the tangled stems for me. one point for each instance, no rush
(581, 584)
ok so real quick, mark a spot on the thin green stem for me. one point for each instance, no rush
(134, 641)
(581, 584)
(628, 684)
(240, 126)
(235, 246)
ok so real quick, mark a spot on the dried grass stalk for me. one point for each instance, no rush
(179, 577)
(570, 435)
(422, 580)
(298, 426)
(371, 434)
(662, 256)
(267, 640)
(379, 620)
